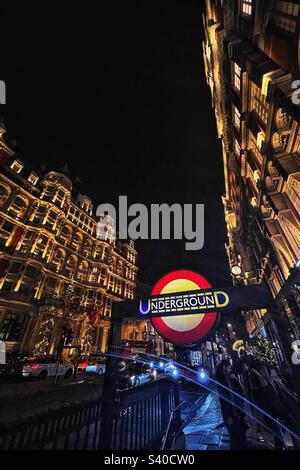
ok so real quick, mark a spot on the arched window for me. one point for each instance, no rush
(77, 241)
(18, 207)
(86, 250)
(82, 271)
(280, 140)
(71, 266)
(97, 252)
(58, 259)
(4, 194)
(282, 119)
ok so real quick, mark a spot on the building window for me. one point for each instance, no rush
(246, 7)
(40, 245)
(118, 287)
(17, 166)
(237, 147)
(59, 259)
(4, 194)
(27, 242)
(77, 240)
(70, 266)
(33, 178)
(236, 77)
(284, 16)
(259, 103)
(5, 232)
(14, 268)
(86, 250)
(130, 257)
(18, 207)
(39, 214)
(66, 234)
(50, 220)
(236, 115)
(82, 272)
(25, 289)
(11, 327)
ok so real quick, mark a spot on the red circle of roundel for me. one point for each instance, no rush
(195, 334)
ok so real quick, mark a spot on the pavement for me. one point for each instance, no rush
(203, 419)
(205, 430)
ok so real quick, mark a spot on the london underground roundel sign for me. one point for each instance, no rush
(185, 330)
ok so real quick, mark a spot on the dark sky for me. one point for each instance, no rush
(119, 93)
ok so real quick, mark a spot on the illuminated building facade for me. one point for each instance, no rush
(57, 279)
(252, 57)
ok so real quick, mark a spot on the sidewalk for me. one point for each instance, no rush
(206, 416)
(200, 433)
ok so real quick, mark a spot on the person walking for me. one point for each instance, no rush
(262, 393)
(231, 405)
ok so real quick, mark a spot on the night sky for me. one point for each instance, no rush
(119, 93)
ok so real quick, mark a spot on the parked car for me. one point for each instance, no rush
(94, 364)
(140, 373)
(82, 365)
(14, 366)
(43, 367)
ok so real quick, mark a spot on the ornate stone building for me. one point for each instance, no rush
(252, 57)
(57, 279)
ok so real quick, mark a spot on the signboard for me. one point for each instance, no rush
(184, 307)
(188, 329)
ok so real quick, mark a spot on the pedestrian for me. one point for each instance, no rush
(262, 393)
(75, 367)
(231, 405)
(122, 376)
(122, 384)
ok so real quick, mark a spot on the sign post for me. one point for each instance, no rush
(110, 380)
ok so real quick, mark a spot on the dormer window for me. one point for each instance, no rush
(17, 166)
(33, 178)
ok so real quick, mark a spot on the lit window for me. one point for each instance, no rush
(18, 207)
(33, 178)
(236, 70)
(17, 166)
(236, 117)
(246, 7)
(258, 103)
(284, 15)
(237, 147)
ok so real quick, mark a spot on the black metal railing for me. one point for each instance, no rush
(140, 418)
(74, 427)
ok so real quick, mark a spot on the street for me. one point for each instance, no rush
(23, 398)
